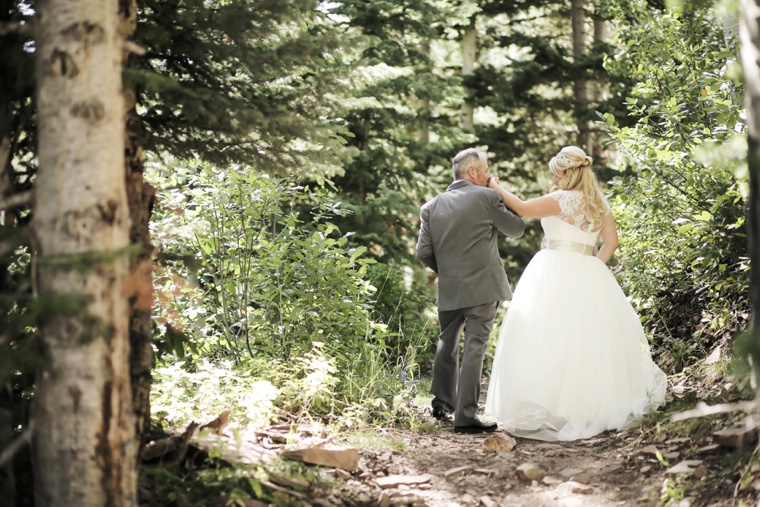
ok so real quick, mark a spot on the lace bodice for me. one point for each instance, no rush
(573, 222)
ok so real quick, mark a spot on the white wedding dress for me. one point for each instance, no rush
(572, 359)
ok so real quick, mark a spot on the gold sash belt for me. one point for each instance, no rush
(567, 246)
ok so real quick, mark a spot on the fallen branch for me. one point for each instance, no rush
(179, 455)
(17, 200)
(17, 444)
(159, 448)
(281, 489)
(703, 410)
(10, 27)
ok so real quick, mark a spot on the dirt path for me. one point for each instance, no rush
(458, 470)
(658, 464)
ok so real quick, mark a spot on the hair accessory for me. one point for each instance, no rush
(563, 159)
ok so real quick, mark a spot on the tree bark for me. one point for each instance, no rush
(749, 32)
(7, 474)
(424, 107)
(84, 445)
(600, 33)
(469, 57)
(7, 75)
(580, 92)
(140, 196)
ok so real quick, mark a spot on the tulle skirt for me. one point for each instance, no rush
(572, 359)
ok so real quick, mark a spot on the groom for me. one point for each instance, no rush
(458, 240)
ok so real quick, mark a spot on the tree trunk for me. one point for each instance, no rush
(7, 75)
(600, 29)
(140, 197)
(424, 107)
(749, 30)
(580, 93)
(469, 57)
(84, 445)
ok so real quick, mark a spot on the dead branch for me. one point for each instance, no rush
(16, 200)
(181, 452)
(10, 27)
(17, 444)
(281, 489)
(159, 448)
(703, 410)
(131, 47)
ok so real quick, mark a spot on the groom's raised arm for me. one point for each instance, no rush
(424, 243)
(505, 221)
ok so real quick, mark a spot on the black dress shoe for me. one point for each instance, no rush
(440, 413)
(476, 427)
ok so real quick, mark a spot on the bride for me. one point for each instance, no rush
(572, 359)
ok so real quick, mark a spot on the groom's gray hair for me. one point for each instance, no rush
(464, 160)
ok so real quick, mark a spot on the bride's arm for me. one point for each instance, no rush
(539, 207)
(610, 240)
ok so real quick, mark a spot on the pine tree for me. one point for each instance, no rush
(540, 89)
(403, 114)
(242, 82)
(404, 119)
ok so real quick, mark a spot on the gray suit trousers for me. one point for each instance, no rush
(456, 389)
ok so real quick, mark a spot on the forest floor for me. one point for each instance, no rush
(610, 469)
(657, 463)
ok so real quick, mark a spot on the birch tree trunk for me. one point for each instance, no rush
(580, 92)
(469, 57)
(749, 32)
(84, 445)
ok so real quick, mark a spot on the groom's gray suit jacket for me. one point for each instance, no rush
(458, 240)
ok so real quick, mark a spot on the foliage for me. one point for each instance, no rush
(402, 302)
(269, 284)
(680, 197)
(183, 392)
(524, 83)
(280, 300)
(260, 391)
(402, 115)
(209, 484)
(242, 80)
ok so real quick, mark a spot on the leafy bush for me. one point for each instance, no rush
(680, 199)
(403, 303)
(247, 285)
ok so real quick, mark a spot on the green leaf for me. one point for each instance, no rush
(357, 253)
(684, 229)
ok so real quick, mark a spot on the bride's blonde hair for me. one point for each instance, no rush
(573, 167)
